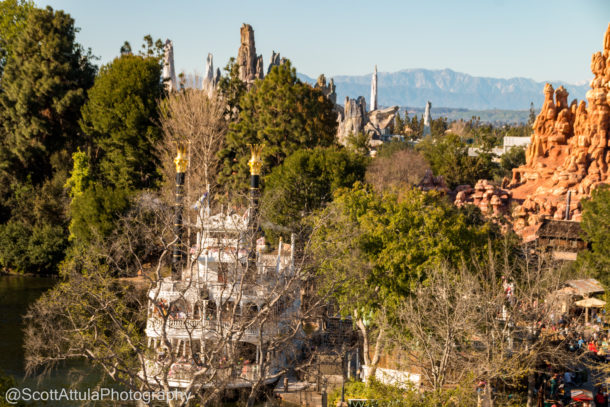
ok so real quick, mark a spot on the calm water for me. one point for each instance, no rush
(16, 294)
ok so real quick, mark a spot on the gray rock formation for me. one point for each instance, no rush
(169, 74)
(210, 79)
(382, 120)
(327, 90)
(373, 101)
(250, 65)
(427, 118)
(274, 61)
(353, 119)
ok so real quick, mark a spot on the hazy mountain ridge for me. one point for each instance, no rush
(447, 88)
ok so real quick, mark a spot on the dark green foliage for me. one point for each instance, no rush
(95, 211)
(448, 156)
(43, 87)
(34, 237)
(13, 14)
(284, 115)
(397, 235)
(305, 181)
(513, 158)
(119, 121)
(231, 88)
(596, 226)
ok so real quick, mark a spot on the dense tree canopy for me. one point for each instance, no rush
(596, 227)
(13, 14)
(448, 156)
(120, 120)
(44, 84)
(43, 87)
(305, 181)
(284, 115)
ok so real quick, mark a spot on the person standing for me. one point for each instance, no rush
(600, 399)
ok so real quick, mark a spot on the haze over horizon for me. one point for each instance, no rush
(543, 40)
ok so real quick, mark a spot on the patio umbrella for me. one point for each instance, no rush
(589, 303)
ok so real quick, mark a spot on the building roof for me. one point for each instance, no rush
(563, 229)
(586, 286)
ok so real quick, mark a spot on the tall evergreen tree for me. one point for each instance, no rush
(282, 113)
(43, 87)
(13, 14)
(119, 120)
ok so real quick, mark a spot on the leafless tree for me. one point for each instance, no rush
(191, 119)
(494, 322)
(402, 168)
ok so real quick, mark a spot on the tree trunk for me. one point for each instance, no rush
(531, 386)
(368, 361)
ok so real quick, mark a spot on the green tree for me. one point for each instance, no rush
(43, 87)
(513, 158)
(13, 14)
(231, 88)
(448, 156)
(596, 227)
(119, 120)
(305, 181)
(373, 247)
(284, 115)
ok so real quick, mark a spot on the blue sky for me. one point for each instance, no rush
(542, 40)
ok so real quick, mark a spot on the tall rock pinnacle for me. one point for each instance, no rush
(169, 74)
(373, 101)
(427, 118)
(250, 65)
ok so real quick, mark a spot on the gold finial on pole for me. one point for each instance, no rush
(181, 161)
(255, 162)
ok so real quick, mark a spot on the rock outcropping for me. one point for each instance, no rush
(427, 118)
(169, 73)
(373, 102)
(211, 78)
(569, 151)
(250, 65)
(492, 201)
(353, 119)
(328, 90)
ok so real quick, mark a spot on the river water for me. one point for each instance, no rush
(16, 294)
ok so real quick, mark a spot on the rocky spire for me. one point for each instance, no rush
(209, 80)
(250, 65)
(169, 74)
(327, 90)
(275, 61)
(427, 119)
(373, 101)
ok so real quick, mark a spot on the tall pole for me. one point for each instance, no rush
(181, 164)
(255, 165)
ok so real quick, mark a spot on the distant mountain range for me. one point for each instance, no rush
(449, 89)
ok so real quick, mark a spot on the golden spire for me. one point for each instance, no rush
(255, 162)
(181, 161)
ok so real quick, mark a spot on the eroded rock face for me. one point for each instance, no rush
(250, 65)
(427, 118)
(569, 151)
(353, 120)
(328, 90)
(373, 102)
(169, 73)
(211, 78)
(492, 201)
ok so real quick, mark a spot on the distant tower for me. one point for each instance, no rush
(427, 119)
(373, 102)
(169, 74)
